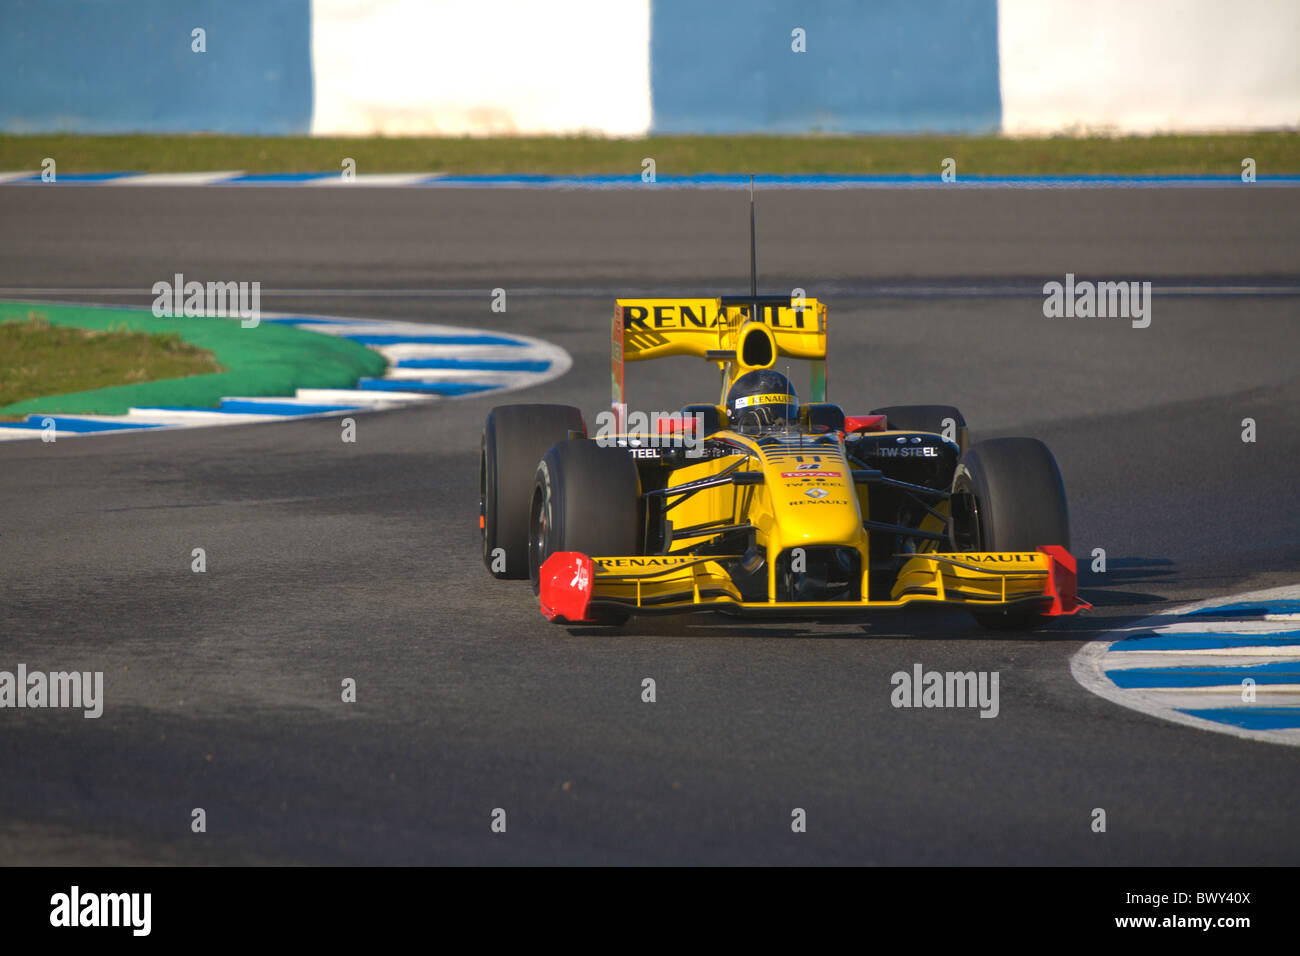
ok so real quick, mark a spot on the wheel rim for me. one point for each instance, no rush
(967, 533)
(540, 525)
(482, 501)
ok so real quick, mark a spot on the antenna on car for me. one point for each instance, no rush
(798, 431)
(753, 253)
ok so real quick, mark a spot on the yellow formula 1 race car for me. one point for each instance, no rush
(761, 505)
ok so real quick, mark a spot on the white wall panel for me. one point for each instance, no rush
(1140, 66)
(481, 67)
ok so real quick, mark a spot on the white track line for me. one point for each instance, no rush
(174, 179)
(359, 396)
(369, 179)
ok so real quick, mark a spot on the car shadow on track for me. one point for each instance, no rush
(1125, 571)
(939, 624)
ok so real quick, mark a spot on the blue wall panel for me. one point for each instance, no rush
(875, 66)
(120, 66)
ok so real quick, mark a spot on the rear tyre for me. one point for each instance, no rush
(927, 418)
(1008, 496)
(515, 437)
(585, 498)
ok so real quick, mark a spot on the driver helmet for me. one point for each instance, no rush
(762, 401)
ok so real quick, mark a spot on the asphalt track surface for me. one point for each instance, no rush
(328, 560)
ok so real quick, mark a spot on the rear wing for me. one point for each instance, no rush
(739, 333)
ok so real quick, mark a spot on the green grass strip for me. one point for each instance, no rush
(1274, 153)
(268, 360)
(37, 358)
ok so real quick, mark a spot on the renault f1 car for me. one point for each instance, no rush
(761, 505)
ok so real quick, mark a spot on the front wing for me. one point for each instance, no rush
(574, 587)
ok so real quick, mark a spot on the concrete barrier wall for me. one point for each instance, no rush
(123, 66)
(481, 66)
(628, 67)
(895, 66)
(1140, 66)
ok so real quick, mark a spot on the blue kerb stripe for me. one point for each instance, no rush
(178, 408)
(279, 408)
(1248, 609)
(76, 424)
(841, 179)
(476, 364)
(1277, 672)
(73, 178)
(1250, 718)
(431, 388)
(1187, 642)
(434, 340)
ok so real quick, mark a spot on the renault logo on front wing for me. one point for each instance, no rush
(816, 492)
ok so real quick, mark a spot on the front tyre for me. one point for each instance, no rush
(585, 498)
(1007, 495)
